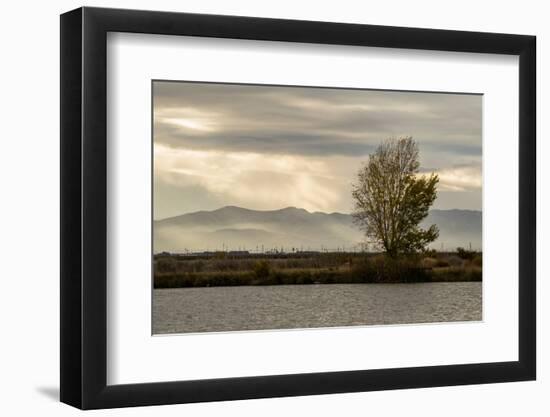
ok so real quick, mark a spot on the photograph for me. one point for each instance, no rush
(303, 206)
(294, 207)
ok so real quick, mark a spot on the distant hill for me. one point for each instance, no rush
(233, 228)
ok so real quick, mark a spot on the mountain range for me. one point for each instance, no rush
(236, 228)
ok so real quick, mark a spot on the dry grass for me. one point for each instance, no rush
(323, 268)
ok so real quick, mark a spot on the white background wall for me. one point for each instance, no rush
(29, 210)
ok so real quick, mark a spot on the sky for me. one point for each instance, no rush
(270, 147)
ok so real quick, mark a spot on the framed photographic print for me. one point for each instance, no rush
(256, 208)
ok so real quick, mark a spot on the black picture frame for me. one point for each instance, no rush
(84, 207)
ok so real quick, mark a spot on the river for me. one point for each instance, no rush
(221, 309)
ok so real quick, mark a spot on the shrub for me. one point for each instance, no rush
(456, 274)
(478, 260)
(430, 253)
(384, 269)
(165, 264)
(465, 254)
(262, 269)
(441, 263)
(429, 262)
(454, 260)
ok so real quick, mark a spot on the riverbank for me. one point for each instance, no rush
(174, 271)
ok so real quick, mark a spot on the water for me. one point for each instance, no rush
(218, 309)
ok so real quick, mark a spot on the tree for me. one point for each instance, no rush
(392, 198)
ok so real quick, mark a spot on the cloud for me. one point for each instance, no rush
(460, 178)
(250, 179)
(310, 121)
(467, 177)
(268, 147)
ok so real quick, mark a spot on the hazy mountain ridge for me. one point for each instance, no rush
(233, 228)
